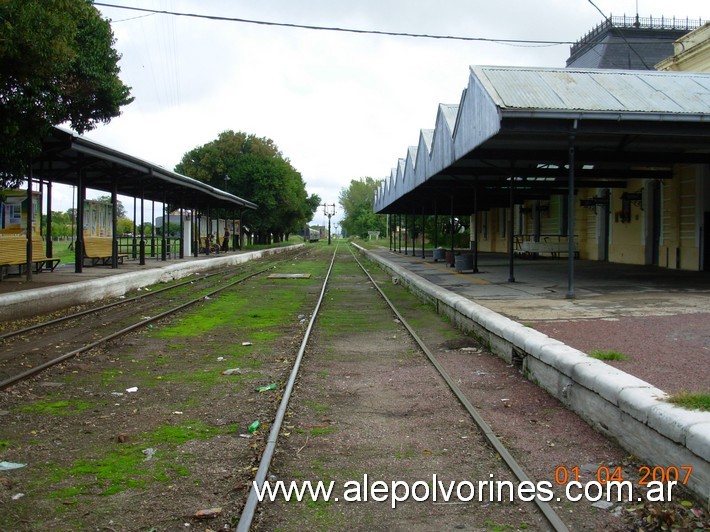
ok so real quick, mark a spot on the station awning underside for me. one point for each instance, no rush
(70, 159)
(516, 127)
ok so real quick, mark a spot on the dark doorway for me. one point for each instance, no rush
(656, 221)
(706, 242)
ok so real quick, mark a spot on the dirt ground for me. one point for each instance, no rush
(369, 403)
(147, 433)
(176, 452)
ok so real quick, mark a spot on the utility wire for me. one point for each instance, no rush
(611, 24)
(329, 28)
(518, 42)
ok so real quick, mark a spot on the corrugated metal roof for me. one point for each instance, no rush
(596, 90)
(517, 112)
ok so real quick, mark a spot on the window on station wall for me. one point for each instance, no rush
(502, 221)
(484, 225)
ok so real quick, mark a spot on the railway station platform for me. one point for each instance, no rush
(657, 318)
(669, 309)
(539, 290)
(49, 291)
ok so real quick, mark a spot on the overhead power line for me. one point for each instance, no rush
(611, 24)
(329, 28)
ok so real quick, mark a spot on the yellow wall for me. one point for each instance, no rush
(679, 244)
(691, 52)
(630, 240)
(626, 237)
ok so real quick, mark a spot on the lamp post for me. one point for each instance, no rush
(225, 241)
(329, 211)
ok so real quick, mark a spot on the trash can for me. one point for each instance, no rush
(464, 262)
(439, 254)
(450, 258)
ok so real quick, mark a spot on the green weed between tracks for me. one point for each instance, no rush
(189, 356)
(133, 465)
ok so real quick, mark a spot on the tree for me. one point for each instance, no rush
(57, 65)
(124, 226)
(258, 172)
(120, 209)
(357, 202)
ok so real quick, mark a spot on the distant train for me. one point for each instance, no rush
(311, 235)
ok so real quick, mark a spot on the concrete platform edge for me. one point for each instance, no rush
(621, 406)
(50, 298)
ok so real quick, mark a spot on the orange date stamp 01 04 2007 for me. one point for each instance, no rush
(647, 474)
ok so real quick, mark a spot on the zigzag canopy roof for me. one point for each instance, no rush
(515, 125)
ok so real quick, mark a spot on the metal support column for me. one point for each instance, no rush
(406, 234)
(452, 223)
(423, 232)
(80, 197)
(49, 251)
(134, 252)
(399, 233)
(114, 225)
(141, 242)
(28, 227)
(182, 234)
(511, 229)
(474, 243)
(152, 228)
(570, 216)
(164, 240)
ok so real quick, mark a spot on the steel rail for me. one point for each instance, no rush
(68, 317)
(488, 432)
(247, 516)
(37, 369)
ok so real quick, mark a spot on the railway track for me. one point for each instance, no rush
(249, 511)
(28, 350)
(353, 390)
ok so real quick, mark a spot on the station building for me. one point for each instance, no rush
(600, 164)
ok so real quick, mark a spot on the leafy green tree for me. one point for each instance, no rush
(171, 229)
(124, 226)
(357, 202)
(57, 65)
(258, 172)
(120, 209)
(61, 224)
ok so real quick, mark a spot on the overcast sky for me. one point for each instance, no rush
(339, 106)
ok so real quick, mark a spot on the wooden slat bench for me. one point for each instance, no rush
(99, 250)
(39, 256)
(554, 249)
(13, 252)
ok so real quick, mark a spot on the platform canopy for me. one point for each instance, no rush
(71, 159)
(514, 126)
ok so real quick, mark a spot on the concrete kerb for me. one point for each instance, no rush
(47, 299)
(626, 408)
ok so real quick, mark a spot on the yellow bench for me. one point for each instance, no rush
(39, 256)
(13, 252)
(100, 250)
